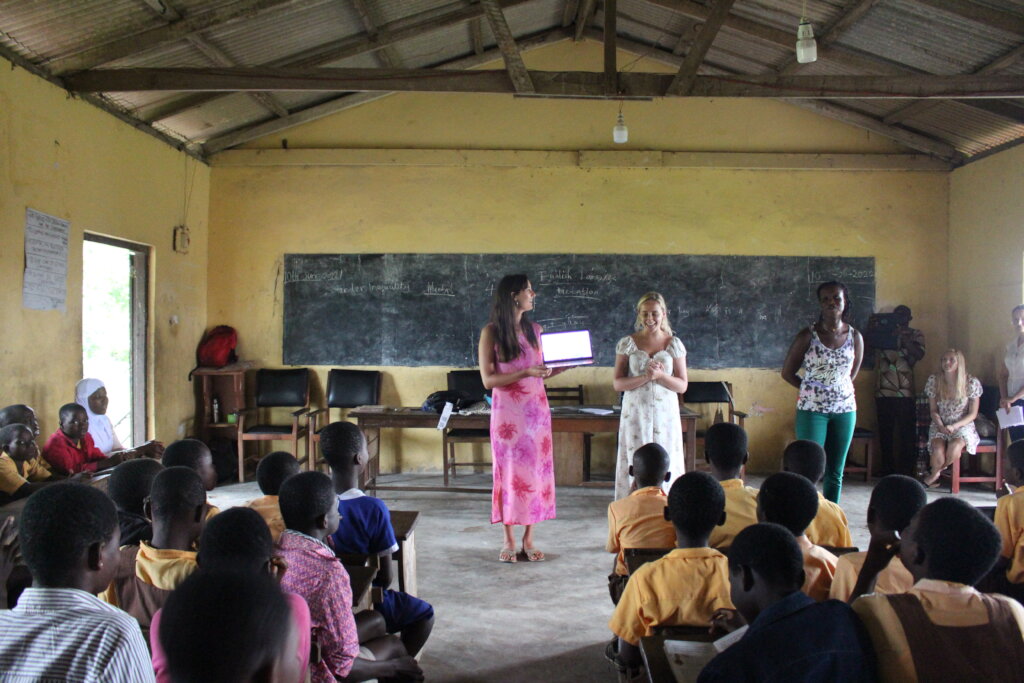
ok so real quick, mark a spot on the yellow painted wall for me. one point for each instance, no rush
(69, 159)
(986, 257)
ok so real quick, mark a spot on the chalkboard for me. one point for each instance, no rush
(427, 309)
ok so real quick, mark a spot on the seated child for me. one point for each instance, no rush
(310, 512)
(22, 471)
(790, 637)
(147, 573)
(129, 487)
(20, 414)
(1009, 520)
(685, 587)
(894, 502)
(942, 629)
(195, 455)
(70, 449)
(638, 520)
(792, 501)
(238, 541)
(725, 449)
(830, 527)
(59, 630)
(270, 474)
(365, 529)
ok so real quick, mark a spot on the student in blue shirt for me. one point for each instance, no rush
(365, 529)
(791, 637)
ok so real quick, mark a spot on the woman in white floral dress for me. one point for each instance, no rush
(953, 398)
(650, 370)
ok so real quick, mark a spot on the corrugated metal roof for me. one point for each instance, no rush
(970, 130)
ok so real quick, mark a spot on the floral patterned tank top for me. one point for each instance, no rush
(826, 386)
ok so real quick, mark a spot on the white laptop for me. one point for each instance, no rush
(563, 349)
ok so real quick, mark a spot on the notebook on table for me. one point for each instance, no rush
(562, 349)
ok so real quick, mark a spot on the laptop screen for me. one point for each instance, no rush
(567, 346)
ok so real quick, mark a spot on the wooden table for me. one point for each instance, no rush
(564, 420)
(361, 579)
(404, 524)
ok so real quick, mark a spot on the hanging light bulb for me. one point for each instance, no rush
(620, 134)
(806, 46)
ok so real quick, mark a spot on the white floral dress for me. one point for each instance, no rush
(953, 410)
(650, 413)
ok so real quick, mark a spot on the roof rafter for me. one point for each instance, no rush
(517, 72)
(684, 80)
(386, 54)
(583, 16)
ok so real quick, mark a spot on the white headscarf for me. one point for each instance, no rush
(100, 427)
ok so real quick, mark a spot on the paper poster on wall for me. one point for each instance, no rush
(46, 262)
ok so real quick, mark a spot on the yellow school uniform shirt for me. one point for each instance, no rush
(211, 510)
(740, 512)
(946, 604)
(819, 568)
(830, 526)
(1010, 522)
(163, 569)
(636, 521)
(684, 588)
(11, 480)
(270, 511)
(895, 578)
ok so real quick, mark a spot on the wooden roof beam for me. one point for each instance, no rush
(387, 55)
(611, 67)
(221, 58)
(684, 80)
(476, 36)
(569, 12)
(584, 15)
(517, 72)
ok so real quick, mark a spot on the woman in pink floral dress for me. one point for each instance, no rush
(512, 365)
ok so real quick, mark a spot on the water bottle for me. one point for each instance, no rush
(215, 410)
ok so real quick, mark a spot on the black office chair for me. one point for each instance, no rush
(345, 389)
(470, 383)
(275, 389)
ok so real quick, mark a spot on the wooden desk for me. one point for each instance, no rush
(404, 524)
(361, 579)
(564, 420)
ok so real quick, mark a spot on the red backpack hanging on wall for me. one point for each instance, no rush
(216, 349)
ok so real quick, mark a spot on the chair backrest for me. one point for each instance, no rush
(352, 388)
(708, 392)
(572, 395)
(988, 404)
(282, 387)
(468, 381)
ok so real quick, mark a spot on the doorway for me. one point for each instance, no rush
(114, 324)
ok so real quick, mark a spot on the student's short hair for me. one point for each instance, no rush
(274, 469)
(340, 441)
(772, 551)
(650, 461)
(896, 499)
(184, 453)
(806, 458)
(959, 543)
(58, 524)
(695, 503)
(131, 481)
(9, 432)
(237, 539)
(69, 409)
(13, 414)
(1015, 453)
(176, 491)
(789, 499)
(725, 445)
(304, 497)
(224, 626)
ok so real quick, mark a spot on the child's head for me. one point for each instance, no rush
(725, 449)
(949, 540)
(788, 499)
(19, 413)
(650, 465)
(1015, 456)
(274, 469)
(237, 539)
(233, 627)
(74, 421)
(806, 458)
(765, 563)
(69, 537)
(308, 504)
(894, 502)
(131, 482)
(343, 446)
(178, 499)
(195, 455)
(17, 441)
(696, 504)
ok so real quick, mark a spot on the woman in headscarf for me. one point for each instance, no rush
(91, 394)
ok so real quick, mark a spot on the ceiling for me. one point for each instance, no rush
(940, 77)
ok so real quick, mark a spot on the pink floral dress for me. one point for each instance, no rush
(524, 471)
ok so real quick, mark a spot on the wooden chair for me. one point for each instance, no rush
(715, 393)
(962, 472)
(837, 551)
(865, 438)
(573, 396)
(275, 389)
(469, 382)
(345, 389)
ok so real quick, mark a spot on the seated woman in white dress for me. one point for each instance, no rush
(91, 394)
(953, 398)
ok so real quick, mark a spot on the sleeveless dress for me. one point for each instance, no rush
(953, 410)
(524, 470)
(826, 386)
(650, 414)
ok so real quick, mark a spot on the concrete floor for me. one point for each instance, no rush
(524, 622)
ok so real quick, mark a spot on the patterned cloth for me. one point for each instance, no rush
(953, 410)
(894, 373)
(1014, 360)
(524, 468)
(650, 413)
(826, 386)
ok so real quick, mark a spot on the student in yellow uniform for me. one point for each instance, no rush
(725, 449)
(22, 470)
(942, 629)
(685, 587)
(894, 502)
(1010, 522)
(830, 526)
(791, 500)
(270, 474)
(195, 455)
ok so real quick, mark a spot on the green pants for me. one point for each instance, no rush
(833, 431)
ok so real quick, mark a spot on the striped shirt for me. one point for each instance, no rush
(65, 634)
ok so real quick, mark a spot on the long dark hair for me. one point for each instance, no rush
(503, 318)
(845, 315)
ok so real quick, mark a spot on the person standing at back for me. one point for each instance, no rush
(894, 396)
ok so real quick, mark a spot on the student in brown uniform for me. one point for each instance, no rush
(725, 449)
(830, 526)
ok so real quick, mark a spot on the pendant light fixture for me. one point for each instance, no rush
(620, 134)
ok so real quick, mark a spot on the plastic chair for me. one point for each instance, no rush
(275, 389)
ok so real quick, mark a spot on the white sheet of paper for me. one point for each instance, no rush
(687, 658)
(596, 411)
(445, 414)
(1014, 417)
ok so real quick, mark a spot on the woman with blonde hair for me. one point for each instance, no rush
(953, 398)
(650, 370)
